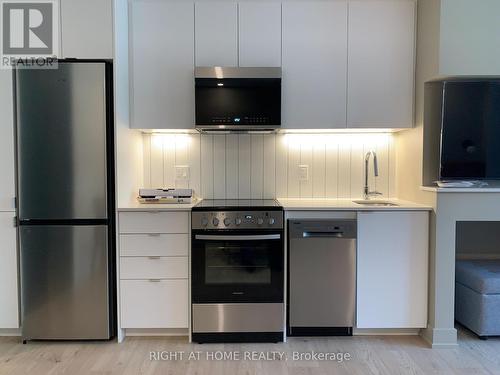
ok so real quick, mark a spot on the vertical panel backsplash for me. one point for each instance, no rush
(267, 166)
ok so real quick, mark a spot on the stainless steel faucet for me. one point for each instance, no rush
(366, 191)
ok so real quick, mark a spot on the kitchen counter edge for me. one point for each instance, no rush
(347, 205)
(293, 204)
(137, 206)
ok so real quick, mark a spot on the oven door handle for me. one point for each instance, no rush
(238, 238)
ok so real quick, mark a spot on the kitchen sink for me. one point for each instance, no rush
(376, 203)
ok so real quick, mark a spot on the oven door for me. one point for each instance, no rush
(237, 267)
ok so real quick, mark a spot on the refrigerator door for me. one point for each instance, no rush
(64, 281)
(61, 142)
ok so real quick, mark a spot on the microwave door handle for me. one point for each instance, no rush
(238, 238)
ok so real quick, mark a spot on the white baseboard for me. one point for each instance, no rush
(440, 338)
(10, 331)
(386, 331)
(156, 332)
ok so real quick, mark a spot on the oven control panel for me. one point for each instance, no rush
(237, 220)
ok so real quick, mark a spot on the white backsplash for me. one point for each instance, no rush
(267, 166)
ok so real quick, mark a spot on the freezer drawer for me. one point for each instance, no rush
(322, 277)
(64, 282)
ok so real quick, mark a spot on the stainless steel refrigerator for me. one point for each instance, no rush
(65, 183)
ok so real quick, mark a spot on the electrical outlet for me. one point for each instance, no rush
(182, 172)
(303, 172)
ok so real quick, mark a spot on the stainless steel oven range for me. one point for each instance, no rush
(237, 268)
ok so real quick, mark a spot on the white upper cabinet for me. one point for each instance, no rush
(392, 264)
(87, 29)
(259, 34)
(314, 64)
(7, 183)
(9, 305)
(162, 65)
(381, 64)
(216, 34)
(346, 64)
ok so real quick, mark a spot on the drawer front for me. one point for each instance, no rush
(154, 244)
(154, 222)
(154, 267)
(147, 304)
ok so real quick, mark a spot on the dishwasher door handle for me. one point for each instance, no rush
(338, 234)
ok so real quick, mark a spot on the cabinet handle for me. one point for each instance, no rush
(154, 234)
(154, 280)
(154, 258)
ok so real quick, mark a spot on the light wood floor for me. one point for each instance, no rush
(370, 355)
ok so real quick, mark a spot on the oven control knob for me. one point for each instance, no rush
(272, 221)
(204, 221)
(227, 222)
(237, 221)
(260, 221)
(215, 221)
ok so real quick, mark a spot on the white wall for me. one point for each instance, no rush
(454, 37)
(128, 142)
(470, 37)
(267, 166)
(409, 143)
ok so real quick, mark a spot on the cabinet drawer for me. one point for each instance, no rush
(154, 268)
(161, 304)
(154, 244)
(154, 222)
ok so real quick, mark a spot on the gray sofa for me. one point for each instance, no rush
(477, 296)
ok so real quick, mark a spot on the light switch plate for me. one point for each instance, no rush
(182, 172)
(303, 172)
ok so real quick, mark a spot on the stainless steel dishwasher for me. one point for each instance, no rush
(322, 277)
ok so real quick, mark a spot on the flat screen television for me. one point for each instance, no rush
(462, 129)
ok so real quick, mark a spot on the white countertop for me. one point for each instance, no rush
(298, 204)
(137, 206)
(487, 189)
(290, 204)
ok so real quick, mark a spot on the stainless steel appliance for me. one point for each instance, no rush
(237, 99)
(322, 277)
(65, 172)
(237, 271)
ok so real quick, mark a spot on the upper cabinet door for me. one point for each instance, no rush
(314, 64)
(259, 34)
(162, 65)
(216, 34)
(381, 64)
(87, 29)
(7, 183)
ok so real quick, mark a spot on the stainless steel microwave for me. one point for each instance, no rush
(238, 99)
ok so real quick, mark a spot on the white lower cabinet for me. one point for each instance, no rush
(392, 269)
(154, 303)
(154, 270)
(9, 299)
(154, 267)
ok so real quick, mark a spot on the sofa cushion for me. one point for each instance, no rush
(483, 276)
